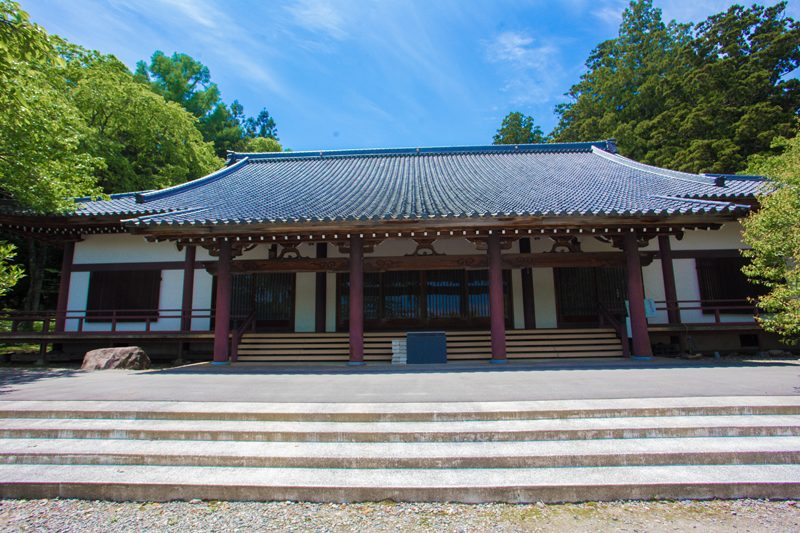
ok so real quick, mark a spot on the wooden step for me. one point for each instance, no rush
(461, 345)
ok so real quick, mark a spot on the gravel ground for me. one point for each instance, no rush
(85, 516)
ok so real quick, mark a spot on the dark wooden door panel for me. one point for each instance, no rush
(437, 299)
(580, 291)
(271, 295)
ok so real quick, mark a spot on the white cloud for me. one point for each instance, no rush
(609, 14)
(533, 72)
(319, 16)
(204, 23)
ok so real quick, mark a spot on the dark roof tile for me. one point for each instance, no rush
(481, 181)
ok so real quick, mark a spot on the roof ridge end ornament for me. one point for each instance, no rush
(611, 145)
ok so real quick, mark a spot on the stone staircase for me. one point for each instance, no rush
(461, 345)
(468, 452)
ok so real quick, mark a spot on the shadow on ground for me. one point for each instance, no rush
(14, 376)
(468, 366)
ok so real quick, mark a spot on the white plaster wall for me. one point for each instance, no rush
(654, 288)
(516, 299)
(124, 248)
(201, 299)
(78, 294)
(305, 299)
(544, 298)
(169, 298)
(330, 300)
(687, 285)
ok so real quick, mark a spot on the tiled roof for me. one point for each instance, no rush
(505, 180)
(117, 204)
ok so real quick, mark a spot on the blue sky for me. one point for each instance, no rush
(356, 74)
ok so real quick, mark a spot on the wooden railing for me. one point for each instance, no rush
(608, 318)
(141, 320)
(717, 308)
(247, 324)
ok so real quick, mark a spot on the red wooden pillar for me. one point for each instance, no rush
(222, 314)
(321, 291)
(497, 317)
(527, 288)
(641, 337)
(188, 288)
(63, 286)
(668, 272)
(356, 301)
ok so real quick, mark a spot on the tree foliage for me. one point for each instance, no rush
(518, 129)
(262, 144)
(182, 79)
(699, 98)
(773, 233)
(145, 141)
(9, 274)
(76, 123)
(41, 164)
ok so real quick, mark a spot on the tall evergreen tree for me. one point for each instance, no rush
(145, 141)
(182, 79)
(696, 98)
(518, 129)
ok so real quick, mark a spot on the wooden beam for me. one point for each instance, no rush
(431, 262)
(63, 287)
(497, 317)
(528, 314)
(188, 288)
(222, 315)
(639, 332)
(321, 290)
(356, 301)
(668, 275)
(507, 225)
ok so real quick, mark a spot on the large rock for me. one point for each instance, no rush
(129, 357)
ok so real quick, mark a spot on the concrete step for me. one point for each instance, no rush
(398, 412)
(426, 431)
(161, 483)
(424, 455)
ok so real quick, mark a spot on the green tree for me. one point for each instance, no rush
(262, 125)
(623, 84)
(41, 165)
(699, 98)
(773, 233)
(145, 141)
(9, 274)
(182, 79)
(518, 129)
(262, 144)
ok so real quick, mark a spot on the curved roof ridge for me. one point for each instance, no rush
(658, 171)
(607, 145)
(697, 200)
(145, 218)
(214, 176)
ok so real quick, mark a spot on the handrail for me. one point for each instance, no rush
(716, 306)
(622, 332)
(239, 333)
(40, 321)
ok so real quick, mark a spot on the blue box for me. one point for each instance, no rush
(426, 347)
